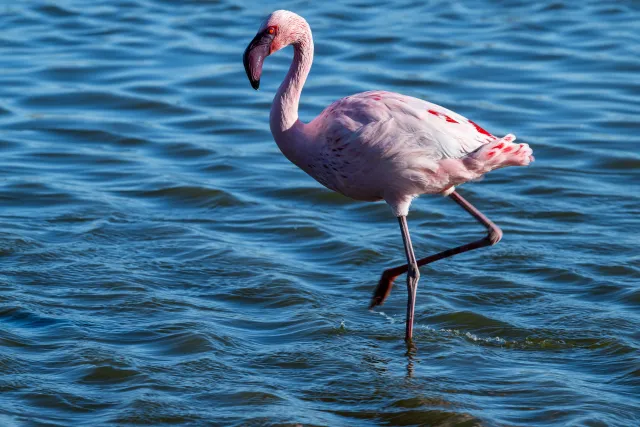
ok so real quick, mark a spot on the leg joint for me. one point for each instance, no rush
(495, 235)
(413, 272)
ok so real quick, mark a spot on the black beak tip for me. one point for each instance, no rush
(254, 56)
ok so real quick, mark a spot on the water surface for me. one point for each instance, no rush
(163, 264)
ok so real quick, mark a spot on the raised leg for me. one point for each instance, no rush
(413, 275)
(493, 236)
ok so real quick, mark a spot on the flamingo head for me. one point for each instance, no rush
(280, 29)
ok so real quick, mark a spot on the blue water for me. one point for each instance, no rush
(161, 262)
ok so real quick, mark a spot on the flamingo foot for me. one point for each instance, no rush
(383, 289)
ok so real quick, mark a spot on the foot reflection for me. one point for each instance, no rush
(412, 350)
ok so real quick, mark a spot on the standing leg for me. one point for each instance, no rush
(493, 236)
(413, 275)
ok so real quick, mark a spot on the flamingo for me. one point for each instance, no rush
(379, 145)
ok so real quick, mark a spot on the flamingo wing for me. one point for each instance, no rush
(386, 119)
(375, 145)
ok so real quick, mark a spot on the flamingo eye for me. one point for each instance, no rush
(271, 30)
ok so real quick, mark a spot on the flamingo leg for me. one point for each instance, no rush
(413, 275)
(494, 234)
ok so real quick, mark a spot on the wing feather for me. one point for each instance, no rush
(440, 132)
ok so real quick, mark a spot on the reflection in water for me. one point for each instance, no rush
(412, 351)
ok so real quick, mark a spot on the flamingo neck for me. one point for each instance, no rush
(286, 128)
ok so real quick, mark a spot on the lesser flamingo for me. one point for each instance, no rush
(379, 145)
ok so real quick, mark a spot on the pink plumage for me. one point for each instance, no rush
(379, 145)
(382, 145)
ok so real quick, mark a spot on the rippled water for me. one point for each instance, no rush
(163, 263)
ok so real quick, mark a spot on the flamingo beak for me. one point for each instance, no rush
(254, 55)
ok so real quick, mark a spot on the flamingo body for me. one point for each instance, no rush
(382, 145)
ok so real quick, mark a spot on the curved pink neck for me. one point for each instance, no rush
(285, 126)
